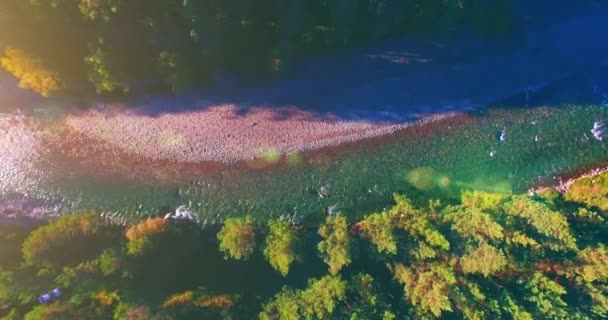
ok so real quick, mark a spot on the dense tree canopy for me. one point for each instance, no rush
(490, 256)
(124, 46)
(317, 301)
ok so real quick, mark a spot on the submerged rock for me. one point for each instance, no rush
(181, 213)
(332, 210)
(598, 130)
(323, 192)
(502, 135)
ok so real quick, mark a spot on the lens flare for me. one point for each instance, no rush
(272, 156)
(294, 159)
(422, 178)
(443, 181)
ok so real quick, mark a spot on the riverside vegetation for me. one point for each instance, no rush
(487, 255)
(117, 47)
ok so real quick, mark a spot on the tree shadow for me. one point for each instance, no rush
(409, 79)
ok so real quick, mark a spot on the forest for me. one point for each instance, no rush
(117, 47)
(483, 256)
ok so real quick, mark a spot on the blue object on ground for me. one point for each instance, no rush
(45, 298)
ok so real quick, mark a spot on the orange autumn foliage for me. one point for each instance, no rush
(107, 298)
(146, 228)
(222, 301)
(140, 234)
(178, 299)
(198, 299)
(31, 72)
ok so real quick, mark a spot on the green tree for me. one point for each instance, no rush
(482, 200)
(335, 246)
(428, 288)
(546, 295)
(472, 223)
(237, 238)
(317, 301)
(484, 259)
(46, 246)
(280, 245)
(591, 191)
(102, 75)
(378, 227)
(553, 225)
(367, 300)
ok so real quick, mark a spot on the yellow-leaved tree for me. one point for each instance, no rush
(31, 72)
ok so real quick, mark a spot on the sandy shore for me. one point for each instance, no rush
(223, 134)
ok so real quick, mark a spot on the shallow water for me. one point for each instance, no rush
(438, 159)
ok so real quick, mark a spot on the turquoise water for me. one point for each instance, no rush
(435, 160)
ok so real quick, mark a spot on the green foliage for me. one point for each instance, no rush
(512, 258)
(485, 260)
(546, 295)
(237, 238)
(320, 298)
(54, 311)
(367, 300)
(101, 74)
(419, 224)
(549, 223)
(427, 289)
(12, 315)
(47, 245)
(284, 306)
(317, 301)
(280, 243)
(591, 191)
(271, 34)
(335, 246)
(92, 10)
(379, 228)
(109, 262)
(471, 222)
(551, 195)
(482, 200)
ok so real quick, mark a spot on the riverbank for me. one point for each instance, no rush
(221, 134)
